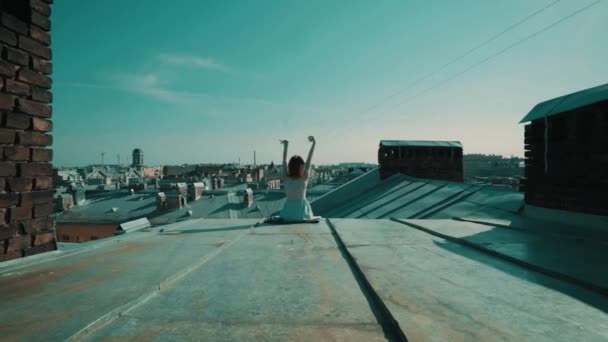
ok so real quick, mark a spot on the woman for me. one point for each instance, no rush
(295, 179)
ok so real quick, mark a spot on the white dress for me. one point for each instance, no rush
(296, 206)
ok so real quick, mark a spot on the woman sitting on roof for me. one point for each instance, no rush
(295, 179)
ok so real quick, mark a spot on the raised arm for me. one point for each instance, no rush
(310, 153)
(285, 143)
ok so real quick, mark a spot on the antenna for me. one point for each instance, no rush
(118, 157)
(103, 154)
(254, 164)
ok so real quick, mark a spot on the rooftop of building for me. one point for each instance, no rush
(341, 279)
(565, 103)
(118, 206)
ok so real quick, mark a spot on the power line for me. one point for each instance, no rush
(521, 41)
(456, 59)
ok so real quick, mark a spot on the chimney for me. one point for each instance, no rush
(182, 188)
(197, 191)
(566, 141)
(440, 160)
(248, 200)
(79, 196)
(175, 201)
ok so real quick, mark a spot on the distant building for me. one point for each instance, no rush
(566, 142)
(138, 158)
(440, 160)
(98, 177)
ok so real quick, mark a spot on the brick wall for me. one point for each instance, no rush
(26, 226)
(442, 163)
(576, 177)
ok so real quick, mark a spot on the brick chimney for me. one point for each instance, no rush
(26, 198)
(440, 160)
(197, 190)
(566, 143)
(161, 201)
(248, 199)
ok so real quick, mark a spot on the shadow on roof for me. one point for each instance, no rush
(535, 255)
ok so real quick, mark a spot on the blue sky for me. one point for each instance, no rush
(209, 81)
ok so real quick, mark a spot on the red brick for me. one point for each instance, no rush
(7, 199)
(41, 21)
(42, 125)
(18, 120)
(7, 69)
(44, 248)
(41, 7)
(11, 256)
(19, 242)
(34, 108)
(43, 183)
(39, 224)
(7, 169)
(7, 136)
(42, 65)
(35, 169)
(7, 231)
(41, 95)
(16, 56)
(13, 23)
(42, 155)
(36, 197)
(16, 153)
(44, 237)
(18, 88)
(20, 184)
(7, 36)
(20, 213)
(42, 210)
(35, 139)
(32, 77)
(7, 102)
(40, 35)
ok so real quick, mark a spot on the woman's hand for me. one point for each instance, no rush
(312, 139)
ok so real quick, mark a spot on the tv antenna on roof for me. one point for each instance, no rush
(118, 158)
(102, 156)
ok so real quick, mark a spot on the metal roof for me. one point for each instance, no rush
(567, 103)
(341, 279)
(134, 225)
(98, 208)
(408, 197)
(420, 143)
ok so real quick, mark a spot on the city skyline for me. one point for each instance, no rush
(214, 81)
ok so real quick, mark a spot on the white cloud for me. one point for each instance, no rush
(194, 61)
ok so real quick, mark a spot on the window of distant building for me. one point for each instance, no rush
(94, 238)
(65, 238)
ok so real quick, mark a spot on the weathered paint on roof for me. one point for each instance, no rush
(233, 280)
(567, 103)
(420, 143)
